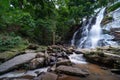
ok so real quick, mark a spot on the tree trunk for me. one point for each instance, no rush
(53, 38)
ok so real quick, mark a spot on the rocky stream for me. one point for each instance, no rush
(62, 63)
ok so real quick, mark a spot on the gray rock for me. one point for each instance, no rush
(117, 71)
(71, 71)
(63, 62)
(37, 62)
(16, 61)
(47, 76)
(40, 54)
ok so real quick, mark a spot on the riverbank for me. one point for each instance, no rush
(60, 63)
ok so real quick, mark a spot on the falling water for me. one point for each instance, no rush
(73, 40)
(96, 31)
(92, 36)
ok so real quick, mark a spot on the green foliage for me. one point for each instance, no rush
(44, 30)
(21, 21)
(113, 7)
(4, 5)
(9, 41)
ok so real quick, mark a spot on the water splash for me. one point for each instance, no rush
(77, 58)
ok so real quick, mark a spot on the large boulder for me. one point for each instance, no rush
(71, 71)
(106, 56)
(16, 62)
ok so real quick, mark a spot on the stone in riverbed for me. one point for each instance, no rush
(63, 62)
(117, 71)
(40, 54)
(71, 71)
(47, 76)
(37, 62)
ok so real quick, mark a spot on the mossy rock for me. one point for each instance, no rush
(13, 52)
(41, 49)
(107, 19)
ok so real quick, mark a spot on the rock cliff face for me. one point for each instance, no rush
(111, 24)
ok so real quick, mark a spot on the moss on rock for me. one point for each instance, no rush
(107, 19)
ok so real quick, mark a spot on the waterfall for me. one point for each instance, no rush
(91, 35)
(73, 39)
(96, 31)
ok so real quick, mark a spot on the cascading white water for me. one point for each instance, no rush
(73, 39)
(90, 38)
(77, 58)
(96, 31)
(92, 34)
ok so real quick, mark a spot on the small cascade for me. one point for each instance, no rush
(73, 39)
(92, 35)
(84, 35)
(77, 58)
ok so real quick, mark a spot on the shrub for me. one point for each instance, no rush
(8, 41)
(113, 7)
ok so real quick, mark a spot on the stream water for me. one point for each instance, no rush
(77, 58)
(24, 73)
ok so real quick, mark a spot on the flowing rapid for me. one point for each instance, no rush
(96, 31)
(90, 35)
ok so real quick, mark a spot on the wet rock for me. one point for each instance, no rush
(40, 54)
(104, 68)
(37, 62)
(54, 49)
(69, 51)
(64, 55)
(52, 69)
(102, 58)
(109, 61)
(52, 54)
(58, 55)
(64, 49)
(30, 51)
(117, 71)
(63, 62)
(47, 76)
(15, 79)
(16, 62)
(72, 71)
(5, 79)
(49, 49)
(78, 52)
(19, 79)
(59, 59)
(51, 60)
